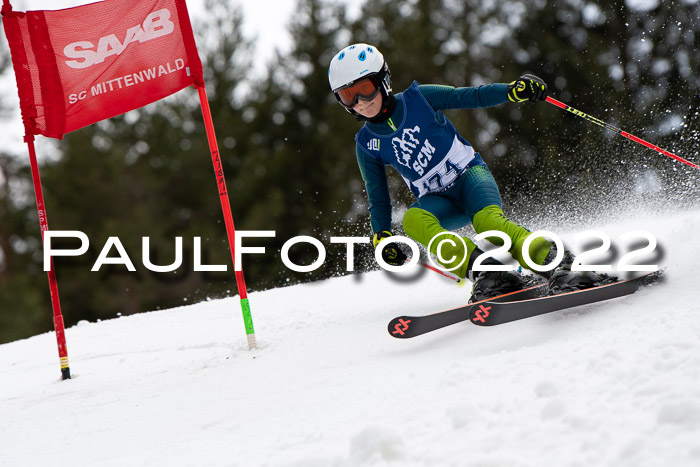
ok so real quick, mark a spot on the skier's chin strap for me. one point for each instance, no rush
(386, 111)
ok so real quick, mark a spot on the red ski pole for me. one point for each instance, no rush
(608, 126)
(460, 282)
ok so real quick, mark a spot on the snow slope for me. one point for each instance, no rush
(615, 384)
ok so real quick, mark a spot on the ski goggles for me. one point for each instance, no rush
(365, 89)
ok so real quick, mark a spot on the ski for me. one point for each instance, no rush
(403, 327)
(514, 306)
(492, 313)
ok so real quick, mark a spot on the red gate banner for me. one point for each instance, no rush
(77, 66)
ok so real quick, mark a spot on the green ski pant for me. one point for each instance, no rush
(422, 226)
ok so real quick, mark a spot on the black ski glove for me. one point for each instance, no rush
(391, 253)
(527, 87)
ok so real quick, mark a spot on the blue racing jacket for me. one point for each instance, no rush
(420, 143)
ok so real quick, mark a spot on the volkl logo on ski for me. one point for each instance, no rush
(482, 313)
(401, 326)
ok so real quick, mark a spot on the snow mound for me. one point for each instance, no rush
(608, 384)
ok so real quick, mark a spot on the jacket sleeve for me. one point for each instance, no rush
(374, 176)
(447, 97)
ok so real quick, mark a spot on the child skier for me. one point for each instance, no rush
(450, 180)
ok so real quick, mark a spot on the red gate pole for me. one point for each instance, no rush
(228, 218)
(53, 285)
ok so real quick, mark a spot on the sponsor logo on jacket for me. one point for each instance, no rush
(407, 152)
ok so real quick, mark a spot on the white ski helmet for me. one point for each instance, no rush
(354, 64)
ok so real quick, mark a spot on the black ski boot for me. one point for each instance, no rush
(562, 279)
(489, 284)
